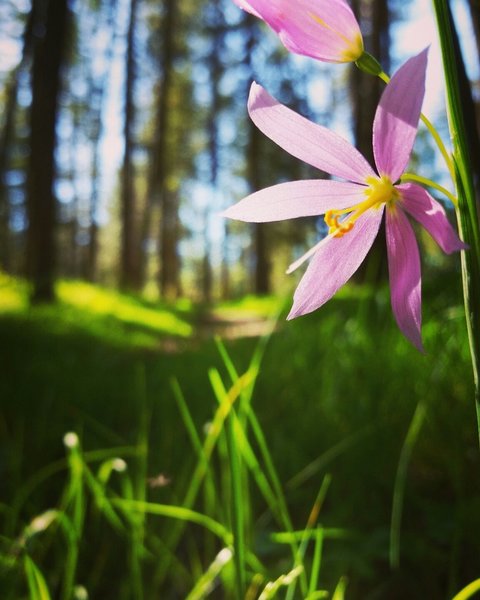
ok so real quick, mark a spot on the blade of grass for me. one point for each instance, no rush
(205, 583)
(196, 442)
(312, 521)
(339, 593)
(74, 500)
(272, 587)
(469, 591)
(180, 513)
(211, 439)
(327, 457)
(277, 502)
(137, 533)
(37, 585)
(44, 474)
(316, 561)
(237, 510)
(464, 140)
(400, 482)
(329, 533)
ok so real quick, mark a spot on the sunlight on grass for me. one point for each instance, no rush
(99, 301)
(98, 311)
(13, 294)
(251, 306)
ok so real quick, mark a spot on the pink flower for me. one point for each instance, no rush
(354, 208)
(323, 29)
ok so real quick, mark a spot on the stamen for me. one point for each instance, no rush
(380, 191)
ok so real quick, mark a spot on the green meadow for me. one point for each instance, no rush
(171, 451)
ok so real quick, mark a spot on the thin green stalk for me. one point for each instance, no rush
(400, 482)
(428, 182)
(180, 513)
(37, 586)
(237, 506)
(311, 523)
(75, 501)
(201, 469)
(468, 591)
(316, 561)
(467, 210)
(138, 525)
(277, 503)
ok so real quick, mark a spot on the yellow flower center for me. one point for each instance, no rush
(380, 191)
(353, 47)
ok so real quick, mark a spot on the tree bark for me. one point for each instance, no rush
(128, 263)
(216, 70)
(261, 263)
(168, 276)
(6, 141)
(51, 20)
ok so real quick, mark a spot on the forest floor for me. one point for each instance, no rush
(336, 393)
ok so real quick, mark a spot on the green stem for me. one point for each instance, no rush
(429, 183)
(467, 210)
(237, 507)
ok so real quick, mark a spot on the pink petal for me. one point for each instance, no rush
(430, 213)
(396, 119)
(335, 261)
(248, 7)
(312, 143)
(296, 199)
(323, 29)
(405, 278)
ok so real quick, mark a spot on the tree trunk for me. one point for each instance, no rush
(98, 89)
(366, 89)
(216, 70)
(168, 273)
(261, 262)
(6, 141)
(51, 19)
(128, 278)
(6, 138)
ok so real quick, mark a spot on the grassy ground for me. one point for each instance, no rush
(373, 444)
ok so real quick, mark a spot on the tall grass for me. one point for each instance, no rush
(228, 471)
(302, 465)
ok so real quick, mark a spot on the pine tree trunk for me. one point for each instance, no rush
(216, 70)
(7, 136)
(168, 279)
(128, 278)
(5, 141)
(262, 267)
(51, 19)
(261, 262)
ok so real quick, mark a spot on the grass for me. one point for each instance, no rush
(296, 466)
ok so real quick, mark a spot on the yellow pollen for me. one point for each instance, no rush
(380, 191)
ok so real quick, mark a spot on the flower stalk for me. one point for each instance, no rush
(467, 209)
